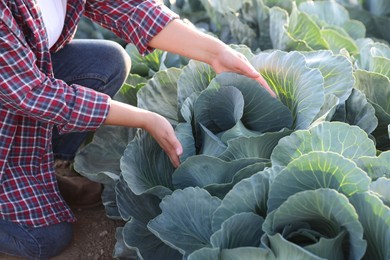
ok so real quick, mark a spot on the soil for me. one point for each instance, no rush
(94, 237)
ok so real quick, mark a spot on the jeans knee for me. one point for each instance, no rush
(120, 59)
(118, 65)
(34, 242)
(54, 239)
(123, 58)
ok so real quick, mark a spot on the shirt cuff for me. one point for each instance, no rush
(149, 19)
(89, 111)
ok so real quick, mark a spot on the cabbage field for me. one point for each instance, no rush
(302, 176)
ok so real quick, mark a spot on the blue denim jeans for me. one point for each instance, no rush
(97, 64)
(34, 243)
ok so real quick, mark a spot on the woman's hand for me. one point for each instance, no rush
(161, 130)
(163, 133)
(229, 60)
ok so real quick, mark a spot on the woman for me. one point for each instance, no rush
(48, 80)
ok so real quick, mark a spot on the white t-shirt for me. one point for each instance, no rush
(53, 14)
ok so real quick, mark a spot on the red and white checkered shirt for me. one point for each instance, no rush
(32, 101)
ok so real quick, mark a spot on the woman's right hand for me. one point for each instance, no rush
(161, 130)
(163, 133)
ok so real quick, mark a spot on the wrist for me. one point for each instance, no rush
(148, 118)
(213, 49)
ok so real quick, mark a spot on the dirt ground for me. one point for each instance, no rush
(94, 237)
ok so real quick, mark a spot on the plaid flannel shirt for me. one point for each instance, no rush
(32, 101)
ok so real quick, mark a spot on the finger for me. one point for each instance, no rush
(265, 85)
(253, 73)
(175, 159)
(173, 149)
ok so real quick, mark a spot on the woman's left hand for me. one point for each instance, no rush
(229, 60)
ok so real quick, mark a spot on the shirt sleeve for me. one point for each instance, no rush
(133, 21)
(26, 91)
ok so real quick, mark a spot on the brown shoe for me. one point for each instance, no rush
(78, 191)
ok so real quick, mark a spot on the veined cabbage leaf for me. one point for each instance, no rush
(316, 170)
(349, 141)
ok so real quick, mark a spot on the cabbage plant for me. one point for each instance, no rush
(227, 135)
(315, 202)
(229, 138)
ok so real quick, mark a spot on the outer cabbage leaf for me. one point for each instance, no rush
(379, 94)
(380, 61)
(138, 210)
(194, 78)
(105, 150)
(283, 249)
(240, 230)
(247, 253)
(146, 167)
(316, 170)
(333, 19)
(376, 167)
(300, 88)
(184, 134)
(260, 146)
(306, 217)
(185, 221)
(205, 253)
(381, 188)
(328, 109)
(249, 195)
(336, 70)
(144, 66)
(357, 111)
(141, 207)
(202, 170)
(379, 97)
(349, 141)
(221, 189)
(120, 249)
(147, 245)
(239, 130)
(160, 94)
(211, 144)
(338, 41)
(364, 59)
(375, 218)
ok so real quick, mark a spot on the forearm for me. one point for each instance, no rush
(180, 38)
(122, 114)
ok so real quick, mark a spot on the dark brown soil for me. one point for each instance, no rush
(94, 237)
